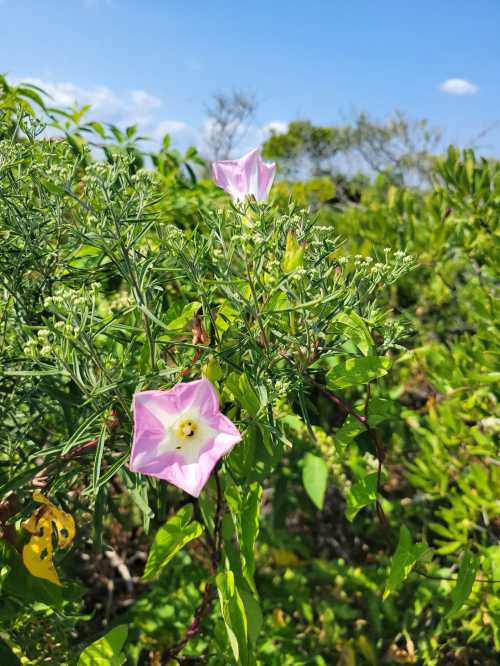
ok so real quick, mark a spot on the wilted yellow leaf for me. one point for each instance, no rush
(46, 522)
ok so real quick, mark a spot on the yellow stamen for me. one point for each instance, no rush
(186, 428)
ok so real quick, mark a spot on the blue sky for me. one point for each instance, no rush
(158, 62)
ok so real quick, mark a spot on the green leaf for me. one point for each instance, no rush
(245, 509)
(234, 616)
(294, 254)
(314, 478)
(350, 429)
(356, 330)
(242, 457)
(254, 616)
(170, 539)
(466, 577)
(243, 392)
(96, 472)
(403, 560)
(106, 651)
(188, 312)
(362, 493)
(355, 371)
(380, 409)
(225, 317)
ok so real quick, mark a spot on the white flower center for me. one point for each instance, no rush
(185, 433)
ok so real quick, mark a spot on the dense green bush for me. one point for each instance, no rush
(354, 347)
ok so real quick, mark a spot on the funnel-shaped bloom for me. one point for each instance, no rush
(180, 434)
(248, 175)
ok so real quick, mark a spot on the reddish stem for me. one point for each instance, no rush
(208, 596)
(373, 435)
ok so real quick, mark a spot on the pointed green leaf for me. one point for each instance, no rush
(181, 322)
(107, 650)
(170, 539)
(233, 613)
(356, 330)
(361, 493)
(254, 616)
(350, 429)
(294, 254)
(403, 560)
(380, 409)
(243, 392)
(245, 508)
(466, 577)
(314, 478)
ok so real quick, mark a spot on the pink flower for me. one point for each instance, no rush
(180, 434)
(248, 175)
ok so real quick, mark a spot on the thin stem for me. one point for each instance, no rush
(256, 305)
(373, 435)
(208, 594)
(490, 581)
(341, 403)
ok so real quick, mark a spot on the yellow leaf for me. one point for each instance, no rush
(44, 523)
(37, 558)
(285, 558)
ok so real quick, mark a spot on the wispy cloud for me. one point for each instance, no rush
(458, 87)
(101, 98)
(145, 100)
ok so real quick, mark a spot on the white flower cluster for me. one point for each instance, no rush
(172, 235)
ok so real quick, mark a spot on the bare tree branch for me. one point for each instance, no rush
(228, 116)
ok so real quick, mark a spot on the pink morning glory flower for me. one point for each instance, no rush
(248, 175)
(180, 434)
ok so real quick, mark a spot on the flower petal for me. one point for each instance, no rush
(160, 449)
(249, 175)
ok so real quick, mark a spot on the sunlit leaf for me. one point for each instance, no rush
(403, 560)
(106, 651)
(314, 478)
(355, 371)
(294, 253)
(361, 494)
(170, 539)
(465, 580)
(233, 613)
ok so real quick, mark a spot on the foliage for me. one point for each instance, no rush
(399, 147)
(364, 384)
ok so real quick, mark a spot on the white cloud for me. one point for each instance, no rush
(458, 87)
(139, 107)
(136, 107)
(182, 134)
(67, 94)
(275, 127)
(170, 127)
(144, 100)
(132, 108)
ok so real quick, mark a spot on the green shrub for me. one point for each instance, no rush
(363, 382)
